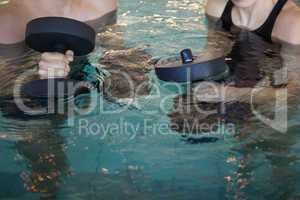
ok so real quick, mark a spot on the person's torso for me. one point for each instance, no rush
(96, 17)
(14, 19)
(265, 30)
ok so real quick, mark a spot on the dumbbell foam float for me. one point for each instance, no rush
(57, 34)
(191, 70)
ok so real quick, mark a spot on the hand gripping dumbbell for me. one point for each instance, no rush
(57, 34)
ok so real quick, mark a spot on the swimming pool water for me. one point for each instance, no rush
(55, 158)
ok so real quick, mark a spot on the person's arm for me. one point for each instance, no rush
(215, 8)
(289, 75)
(287, 27)
(220, 93)
(294, 28)
(257, 95)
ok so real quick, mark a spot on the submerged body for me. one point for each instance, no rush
(262, 59)
(274, 21)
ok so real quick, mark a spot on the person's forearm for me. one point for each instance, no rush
(255, 95)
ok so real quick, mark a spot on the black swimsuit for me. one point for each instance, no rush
(265, 30)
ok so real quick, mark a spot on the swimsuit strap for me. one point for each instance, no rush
(265, 30)
(226, 17)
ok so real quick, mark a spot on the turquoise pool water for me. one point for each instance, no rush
(132, 154)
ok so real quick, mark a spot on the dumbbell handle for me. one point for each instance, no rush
(186, 56)
(60, 48)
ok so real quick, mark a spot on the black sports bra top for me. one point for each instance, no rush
(265, 30)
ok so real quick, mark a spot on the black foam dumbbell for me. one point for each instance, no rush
(57, 34)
